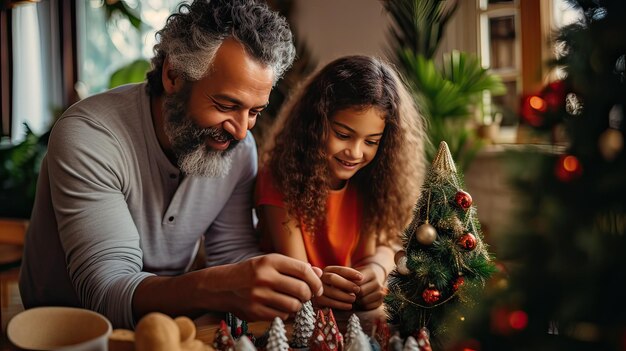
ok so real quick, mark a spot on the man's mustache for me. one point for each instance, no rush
(218, 134)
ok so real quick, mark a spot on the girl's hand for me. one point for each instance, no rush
(341, 284)
(372, 286)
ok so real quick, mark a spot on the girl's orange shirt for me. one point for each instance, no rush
(334, 245)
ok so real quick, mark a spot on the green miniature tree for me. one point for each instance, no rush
(444, 261)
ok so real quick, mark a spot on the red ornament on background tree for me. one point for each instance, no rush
(463, 199)
(431, 295)
(554, 95)
(467, 241)
(540, 110)
(458, 283)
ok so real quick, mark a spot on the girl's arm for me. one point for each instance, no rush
(340, 283)
(283, 231)
(375, 269)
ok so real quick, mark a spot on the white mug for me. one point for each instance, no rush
(59, 328)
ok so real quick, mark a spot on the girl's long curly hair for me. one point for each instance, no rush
(295, 154)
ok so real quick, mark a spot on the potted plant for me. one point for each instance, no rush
(448, 94)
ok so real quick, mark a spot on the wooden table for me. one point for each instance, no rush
(207, 325)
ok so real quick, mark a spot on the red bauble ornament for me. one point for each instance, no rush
(463, 199)
(467, 241)
(431, 295)
(457, 284)
(554, 95)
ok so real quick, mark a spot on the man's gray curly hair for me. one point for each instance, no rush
(192, 36)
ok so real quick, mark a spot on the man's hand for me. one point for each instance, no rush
(272, 285)
(372, 286)
(341, 284)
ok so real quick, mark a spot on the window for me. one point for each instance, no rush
(31, 66)
(500, 50)
(515, 42)
(106, 45)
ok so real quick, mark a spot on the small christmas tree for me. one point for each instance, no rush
(444, 257)
(244, 344)
(358, 342)
(352, 329)
(326, 335)
(303, 326)
(382, 334)
(423, 340)
(223, 341)
(410, 344)
(277, 340)
(237, 326)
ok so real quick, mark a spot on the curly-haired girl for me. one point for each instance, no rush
(341, 172)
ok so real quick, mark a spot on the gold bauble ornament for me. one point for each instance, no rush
(426, 234)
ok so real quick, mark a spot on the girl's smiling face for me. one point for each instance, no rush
(354, 137)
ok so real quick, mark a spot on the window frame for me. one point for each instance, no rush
(66, 26)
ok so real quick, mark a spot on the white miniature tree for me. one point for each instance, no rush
(410, 344)
(244, 344)
(303, 326)
(358, 342)
(352, 329)
(277, 340)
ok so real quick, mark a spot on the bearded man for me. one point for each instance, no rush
(135, 177)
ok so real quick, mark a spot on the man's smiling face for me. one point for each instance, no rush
(205, 119)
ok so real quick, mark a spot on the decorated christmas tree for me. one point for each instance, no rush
(567, 270)
(444, 261)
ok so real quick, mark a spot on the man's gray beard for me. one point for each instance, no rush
(188, 141)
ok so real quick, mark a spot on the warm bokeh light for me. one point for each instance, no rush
(531, 110)
(518, 320)
(537, 103)
(568, 168)
(570, 163)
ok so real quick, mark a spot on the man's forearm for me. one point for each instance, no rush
(259, 288)
(190, 294)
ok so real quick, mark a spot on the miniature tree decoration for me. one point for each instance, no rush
(358, 342)
(303, 326)
(410, 344)
(277, 340)
(381, 333)
(223, 341)
(444, 259)
(244, 344)
(238, 327)
(326, 335)
(352, 330)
